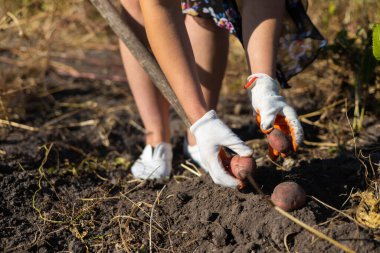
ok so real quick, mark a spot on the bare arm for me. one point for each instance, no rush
(170, 44)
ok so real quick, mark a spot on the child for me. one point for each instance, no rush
(172, 44)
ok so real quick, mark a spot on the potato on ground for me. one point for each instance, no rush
(288, 196)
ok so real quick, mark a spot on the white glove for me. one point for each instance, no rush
(211, 133)
(268, 104)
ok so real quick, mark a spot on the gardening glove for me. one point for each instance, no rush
(271, 111)
(211, 134)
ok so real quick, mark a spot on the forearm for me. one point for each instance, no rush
(170, 44)
(261, 30)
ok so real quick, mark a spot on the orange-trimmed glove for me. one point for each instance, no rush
(211, 134)
(271, 111)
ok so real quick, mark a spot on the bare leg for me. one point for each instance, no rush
(261, 31)
(171, 46)
(152, 106)
(210, 45)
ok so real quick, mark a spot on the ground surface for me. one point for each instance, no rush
(66, 185)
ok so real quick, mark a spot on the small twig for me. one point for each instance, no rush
(304, 118)
(122, 236)
(18, 125)
(17, 23)
(193, 170)
(320, 144)
(99, 199)
(132, 213)
(146, 204)
(286, 241)
(336, 210)
(361, 157)
(42, 175)
(10, 92)
(91, 122)
(135, 219)
(320, 111)
(4, 24)
(349, 196)
(141, 184)
(151, 218)
(59, 118)
(313, 123)
(84, 105)
(329, 220)
(278, 165)
(137, 126)
(100, 177)
(170, 239)
(178, 178)
(193, 165)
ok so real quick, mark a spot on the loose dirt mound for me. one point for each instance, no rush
(97, 207)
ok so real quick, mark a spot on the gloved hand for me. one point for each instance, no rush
(271, 110)
(211, 133)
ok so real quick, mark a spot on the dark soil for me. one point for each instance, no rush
(67, 186)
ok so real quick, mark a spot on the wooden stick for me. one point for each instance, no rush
(142, 55)
(18, 125)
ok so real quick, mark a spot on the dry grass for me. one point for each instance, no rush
(333, 16)
(31, 32)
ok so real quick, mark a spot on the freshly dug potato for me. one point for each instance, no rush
(279, 141)
(288, 196)
(241, 167)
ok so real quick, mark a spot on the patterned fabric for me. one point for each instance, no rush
(300, 41)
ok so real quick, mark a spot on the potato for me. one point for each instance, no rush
(288, 196)
(241, 167)
(279, 141)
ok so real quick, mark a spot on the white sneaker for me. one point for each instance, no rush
(193, 153)
(154, 163)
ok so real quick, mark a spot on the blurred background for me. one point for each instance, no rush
(47, 46)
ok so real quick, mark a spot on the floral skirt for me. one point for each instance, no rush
(300, 41)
